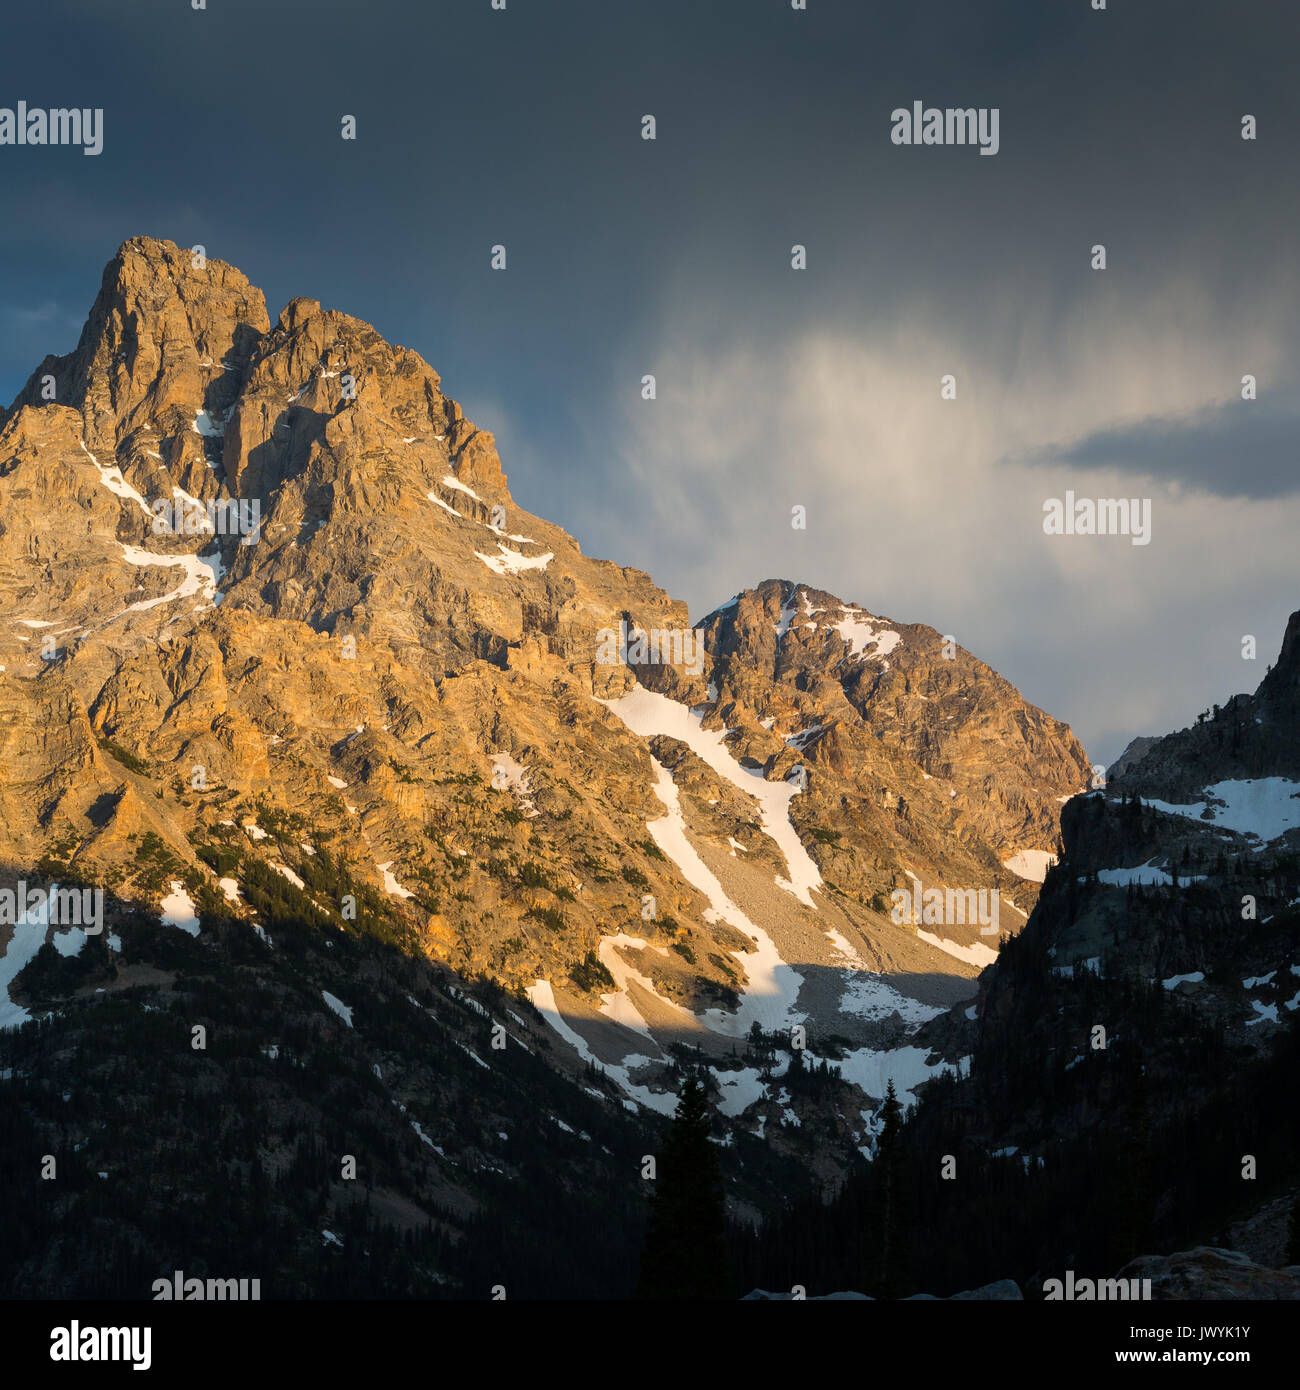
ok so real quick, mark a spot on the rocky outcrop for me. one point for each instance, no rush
(921, 761)
(1133, 754)
(1208, 1272)
(1144, 1022)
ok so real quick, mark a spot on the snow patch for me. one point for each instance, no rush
(177, 909)
(113, 480)
(1194, 978)
(1265, 807)
(28, 938)
(860, 635)
(773, 985)
(513, 562)
(975, 954)
(209, 426)
(648, 713)
(202, 573)
(1144, 874)
(456, 483)
(869, 995)
(338, 1007)
(515, 776)
(288, 873)
(618, 1007)
(906, 1067)
(542, 998)
(391, 885)
(1031, 864)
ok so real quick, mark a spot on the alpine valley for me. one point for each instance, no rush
(419, 907)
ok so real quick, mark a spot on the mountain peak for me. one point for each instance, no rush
(177, 343)
(297, 312)
(162, 317)
(1283, 679)
(956, 775)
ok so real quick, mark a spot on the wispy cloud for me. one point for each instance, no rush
(930, 510)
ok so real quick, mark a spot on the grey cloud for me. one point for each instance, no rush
(1239, 449)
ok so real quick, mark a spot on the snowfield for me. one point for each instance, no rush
(860, 635)
(28, 938)
(773, 985)
(648, 713)
(906, 1067)
(1265, 807)
(871, 996)
(618, 1007)
(202, 574)
(177, 909)
(1144, 874)
(513, 562)
(1031, 864)
(974, 954)
(542, 998)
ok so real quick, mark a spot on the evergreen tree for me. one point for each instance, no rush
(684, 1256)
(892, 1256)
(1134, 1193)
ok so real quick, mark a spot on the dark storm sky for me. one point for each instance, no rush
(777, 388)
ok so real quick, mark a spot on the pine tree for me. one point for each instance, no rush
(1134, 1201)
(684, 1256)
(891, 1258)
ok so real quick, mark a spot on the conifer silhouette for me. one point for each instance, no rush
(684, 1256)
